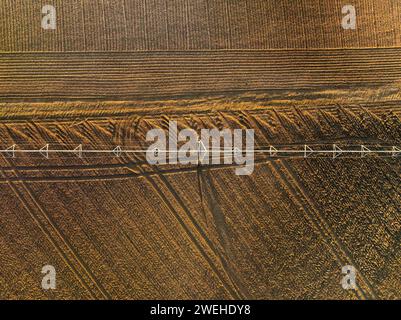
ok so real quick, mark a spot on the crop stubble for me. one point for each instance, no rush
(118, 228)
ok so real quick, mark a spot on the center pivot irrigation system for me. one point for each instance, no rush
(304, 151)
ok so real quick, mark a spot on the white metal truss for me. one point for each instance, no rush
(306, 151)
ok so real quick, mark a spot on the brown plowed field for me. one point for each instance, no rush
(118, 228)
(158, 25)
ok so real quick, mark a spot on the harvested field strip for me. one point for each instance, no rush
(146, 230)
(285, 127)
(69, 113)
(128, 75)
(290, 180)
(138, 25)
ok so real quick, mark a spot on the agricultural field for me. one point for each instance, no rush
(185, 25)
(116, 227)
